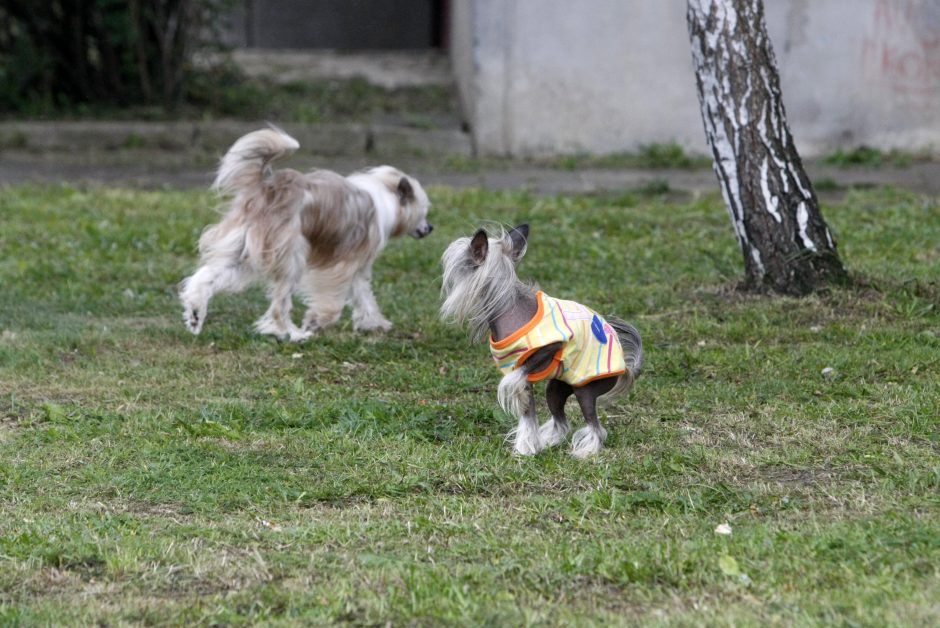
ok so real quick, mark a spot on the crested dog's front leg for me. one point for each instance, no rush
(516, 398)
(589, 440)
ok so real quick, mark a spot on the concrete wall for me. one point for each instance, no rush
(460, 35)
(549, 76)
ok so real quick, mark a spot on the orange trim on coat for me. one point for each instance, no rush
(547, 372)
(604, 376)
(522, 331)
(525, 356)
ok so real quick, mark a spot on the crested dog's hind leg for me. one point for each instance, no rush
(589, 440)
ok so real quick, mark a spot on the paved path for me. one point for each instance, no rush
(162, 169)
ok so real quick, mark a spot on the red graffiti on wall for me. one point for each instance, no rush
(903, 46)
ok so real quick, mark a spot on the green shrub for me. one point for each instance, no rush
(64, 55)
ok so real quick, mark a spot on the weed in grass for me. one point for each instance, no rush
(655, 187)
(15, 140)
(669, 156)
(133, 140)
(865, 156)
(827, 184)
(224, 92)
(652, 156)
(150, 476)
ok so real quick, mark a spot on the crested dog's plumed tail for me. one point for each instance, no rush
(632, 346)
(244, 165)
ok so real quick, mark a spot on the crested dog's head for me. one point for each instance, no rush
(480, 276)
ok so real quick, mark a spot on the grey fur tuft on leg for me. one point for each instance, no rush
(588, 441)
(515, 396)
(553, 432)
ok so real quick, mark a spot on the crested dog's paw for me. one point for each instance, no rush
(526, 440)
(588, 441)
(553, 432)
(527, 446)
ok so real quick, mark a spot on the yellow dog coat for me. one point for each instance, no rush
(590, 347)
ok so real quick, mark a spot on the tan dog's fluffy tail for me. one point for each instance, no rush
(245, 162)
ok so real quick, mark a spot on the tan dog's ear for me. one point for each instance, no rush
(520, 238)
(478, 247)
(406, 193)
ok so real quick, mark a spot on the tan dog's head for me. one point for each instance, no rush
(413, 204)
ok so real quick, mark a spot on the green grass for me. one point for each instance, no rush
(152, 477)
(225, 93)
(330, 101)
(866, 156)
(650, 156)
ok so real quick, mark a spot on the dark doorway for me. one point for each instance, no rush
(339, 24)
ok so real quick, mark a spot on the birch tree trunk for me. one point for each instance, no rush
(786, 244)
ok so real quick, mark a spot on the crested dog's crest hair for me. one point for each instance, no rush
(316, 233)
(476, 291)
(482, 291)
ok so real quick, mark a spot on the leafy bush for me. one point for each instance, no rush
(67, 54)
